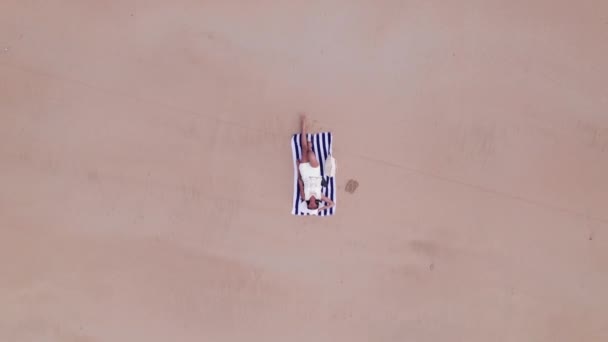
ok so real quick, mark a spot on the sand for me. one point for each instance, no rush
(146, 175)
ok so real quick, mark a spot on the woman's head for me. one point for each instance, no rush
(312, 203)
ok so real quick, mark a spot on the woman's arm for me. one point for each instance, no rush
(301, 185)
(330, 203)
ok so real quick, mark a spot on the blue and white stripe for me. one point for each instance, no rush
(322, 147)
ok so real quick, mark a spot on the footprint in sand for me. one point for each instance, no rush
(351, 186)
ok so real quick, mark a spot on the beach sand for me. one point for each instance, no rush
(146, 177)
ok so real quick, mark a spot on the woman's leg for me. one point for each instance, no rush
(303, 140)
(308, 156)
(312, 158)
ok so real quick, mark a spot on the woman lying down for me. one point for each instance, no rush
(309, 176)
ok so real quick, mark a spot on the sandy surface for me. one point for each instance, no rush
(146, 176)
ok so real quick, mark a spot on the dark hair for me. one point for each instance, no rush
(317, 200)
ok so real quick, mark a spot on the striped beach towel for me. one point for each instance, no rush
(322, 146)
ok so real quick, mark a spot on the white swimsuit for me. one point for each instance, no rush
(311, 176)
